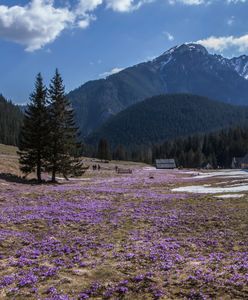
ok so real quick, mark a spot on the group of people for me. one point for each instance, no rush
(96, 167)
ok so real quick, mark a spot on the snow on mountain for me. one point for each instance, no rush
(240, 65)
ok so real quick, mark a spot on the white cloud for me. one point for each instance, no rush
(111, 72)
(35, 24)
(226, 42)
(40, 22)
(236, 1)
(199, 2)
(87, 5)
(231, 20)
(188, 2)
(169, 36)
(126, 5)
(83, 10)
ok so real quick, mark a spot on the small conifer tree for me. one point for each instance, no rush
(103, 150)
(34, 134)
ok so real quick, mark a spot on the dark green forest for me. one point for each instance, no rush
(168, 117)
(192, 129)
(10, 122)
(195, 151)
(217, 148)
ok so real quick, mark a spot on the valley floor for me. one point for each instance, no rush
(146, 235)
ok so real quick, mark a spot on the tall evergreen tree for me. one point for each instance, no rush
(103, 149)
(63, 147)
(34, 134)
(120, 153)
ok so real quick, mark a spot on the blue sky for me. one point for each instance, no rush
(88, 39)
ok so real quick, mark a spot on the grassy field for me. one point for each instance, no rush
(7, 150)
(110, 236)
(9, 160)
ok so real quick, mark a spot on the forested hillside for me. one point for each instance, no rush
(217, 148)
(167, 117)
(10, 122)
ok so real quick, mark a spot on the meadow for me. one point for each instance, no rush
(112, 236)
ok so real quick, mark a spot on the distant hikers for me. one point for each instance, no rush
(96, 167)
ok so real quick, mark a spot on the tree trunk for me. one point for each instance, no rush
(38, 171)
(54, 175)
(66, 178)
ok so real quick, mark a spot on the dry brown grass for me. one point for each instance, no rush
(9, 160)
(8, 150)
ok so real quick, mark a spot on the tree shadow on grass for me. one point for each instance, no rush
(18, 179)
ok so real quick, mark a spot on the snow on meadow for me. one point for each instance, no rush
(129, 236)
(235, 181)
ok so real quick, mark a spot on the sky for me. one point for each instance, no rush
(90, 39)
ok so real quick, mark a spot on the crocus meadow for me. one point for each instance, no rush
(122, 237)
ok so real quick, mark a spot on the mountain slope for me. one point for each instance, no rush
(97, 100)
(238, 64)
(10, 122)
(188, 68)
(166, 117)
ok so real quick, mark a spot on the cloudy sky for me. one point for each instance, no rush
(89, 39)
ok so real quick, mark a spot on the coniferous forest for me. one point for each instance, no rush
(167, 117)
(217, 148)
(195, 151)
(10, 122)
(46, 145)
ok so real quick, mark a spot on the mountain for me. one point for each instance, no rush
(166, 117)
(238, 64)
(10, 122)
(188, 68)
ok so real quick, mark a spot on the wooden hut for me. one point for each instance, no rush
(236, 162)
(244, 162)
(165, 163)
(240, 162)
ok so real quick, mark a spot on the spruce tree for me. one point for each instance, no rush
(63, 147)
(34, 132)
(103, 150)
(120, 153)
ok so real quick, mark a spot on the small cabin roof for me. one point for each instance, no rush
(165, 163)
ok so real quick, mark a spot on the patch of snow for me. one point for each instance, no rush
(172, 50)
(73, 179)
(225, 173)
(164, 63)
(188, 172)
(192, 47)
(149, 169)
(238, 184)
(230, 196)
(201, 189)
